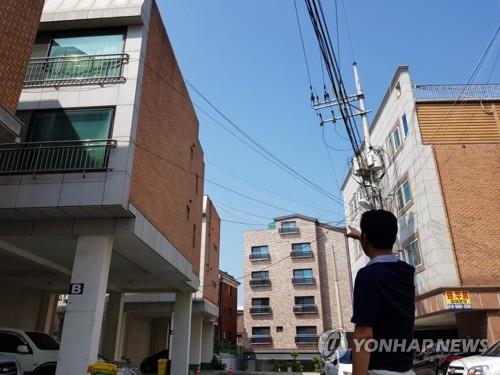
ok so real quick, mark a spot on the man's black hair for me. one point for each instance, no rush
(381, 228)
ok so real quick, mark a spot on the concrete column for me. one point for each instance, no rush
(179, 351)
(84, 313)
(48, 308)
(207, 342)
(113, 326)
(195, 343)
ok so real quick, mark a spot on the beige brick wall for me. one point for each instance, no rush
(282, 292)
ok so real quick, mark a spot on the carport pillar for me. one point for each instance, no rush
(181, 333)
(195, 344)
(113, 326)
(83, 317)
(207, 342)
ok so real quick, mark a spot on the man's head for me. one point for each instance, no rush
(378, 231)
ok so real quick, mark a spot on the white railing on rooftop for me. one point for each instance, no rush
(456, 92)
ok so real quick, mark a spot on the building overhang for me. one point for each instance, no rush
(10, 125)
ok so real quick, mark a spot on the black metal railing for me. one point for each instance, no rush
(55, 156)
(260, 310)
(301, 254)
(261, 339)
(75, 70)
(261, 256)
(260, 282)
(288, 230)
(303, 280)
(307, 339)
(304, 309)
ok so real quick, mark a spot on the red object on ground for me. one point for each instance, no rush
(197, 372)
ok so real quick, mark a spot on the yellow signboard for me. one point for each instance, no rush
(457, 300)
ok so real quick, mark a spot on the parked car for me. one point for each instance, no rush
(35, 351)
(487, 363)
(9, 365)
(433, 361)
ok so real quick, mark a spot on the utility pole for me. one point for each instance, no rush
(368, 162)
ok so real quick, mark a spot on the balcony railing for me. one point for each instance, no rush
(303, 281)
(75, 70)
(304, 309)
(288, 230)
(307, 339)
(262, 256)
(260, 282)
(260, 310)
(301, 254)
(55, 157)
(261, 339)
(455, 92)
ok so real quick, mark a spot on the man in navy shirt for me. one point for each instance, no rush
(384, 300)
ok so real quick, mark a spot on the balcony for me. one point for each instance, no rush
(301, 254)
(55, 157)
(305, 309)
(260, 282)
(260, 310)
(263, 256)
(311, 339)
(75, 70)
(303, 280)
(261, 339)
(288, 230)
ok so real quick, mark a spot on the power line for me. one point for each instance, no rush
(302, 43)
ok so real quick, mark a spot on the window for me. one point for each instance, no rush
(398, 90)
(260, 275)
(102, 42)
(260, 301)
(288, 227)
(305, 247)
(306, 300)
(279, 328)
(412, 254)
(9, 342)
(43, 341)
(396, 139)
(303, 273)
(259, 253)
(261, 331)
(70, 125)
(404, 124)
(403, 195)
(306, 330)
(354, 205)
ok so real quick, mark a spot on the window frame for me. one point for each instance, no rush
(399, 188)
(406, 129)
(303, 276)
(415, 238)
(252, 248)
(296, 301)
(260, 334)
(260, 272)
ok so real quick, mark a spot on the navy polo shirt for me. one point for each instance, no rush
(384, 299)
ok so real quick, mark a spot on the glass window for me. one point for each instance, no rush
(403, 195)
(396, 139)
(306, 330)
(303, 273)
(290, 225)
(260, 275)
(260, 301)
(404, 123)
(261, 331)
(412, 253)
(279, 329)
(305, 247)
(9, 342)
(354, 205)
(304, 300)
(70, 125)
(258, 250)
(88, 43)
(43, 341)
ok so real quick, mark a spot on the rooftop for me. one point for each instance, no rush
(456, 92)
(228, 277)
(311, 219)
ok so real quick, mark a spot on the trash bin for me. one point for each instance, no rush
(162, 366)
(103, 369)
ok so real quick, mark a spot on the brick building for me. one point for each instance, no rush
(288, 305)
(19, 22)
(105, 188)
(228, 308)
(442, 146)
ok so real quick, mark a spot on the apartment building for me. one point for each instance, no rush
(442, 146)
(18, 21)
(103, 191)
(228, 309)
(298, 287)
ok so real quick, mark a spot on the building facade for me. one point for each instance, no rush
(102, 193)
(228, 309)
(298, 287)
(18, 21)
(442, 146)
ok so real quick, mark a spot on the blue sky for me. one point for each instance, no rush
(246, 57)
